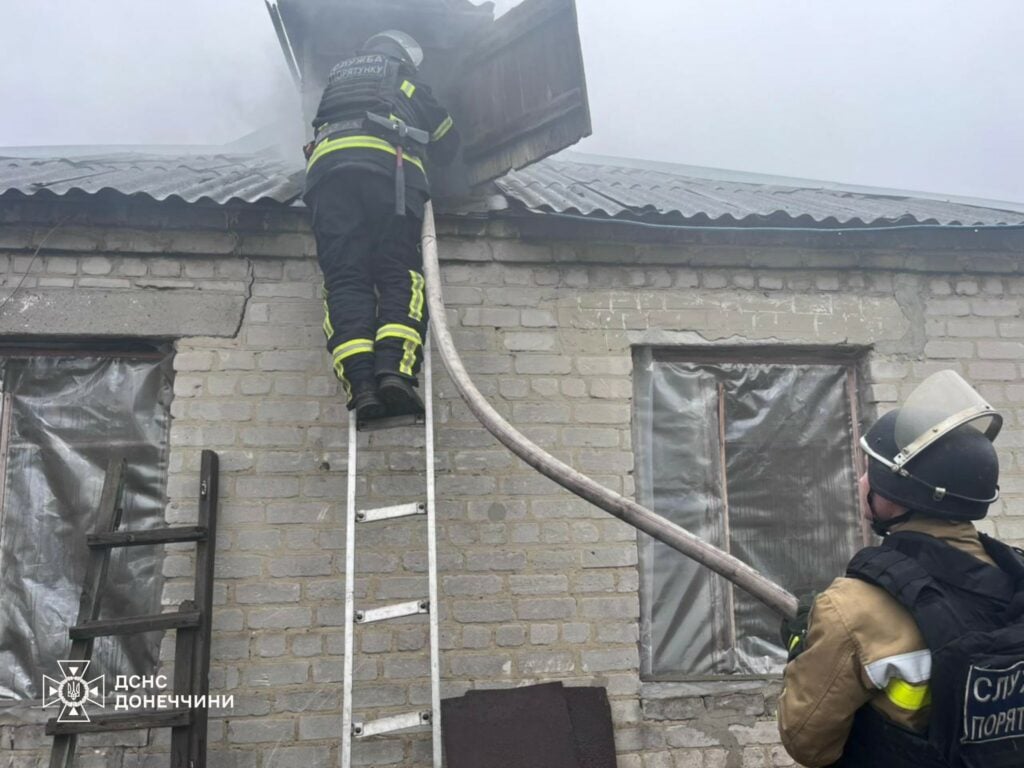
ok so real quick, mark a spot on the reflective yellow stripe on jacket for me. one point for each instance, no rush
(908, 696)
(359, 142)
(442, 129)
(904, 678)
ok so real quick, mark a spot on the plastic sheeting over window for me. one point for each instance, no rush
(758, 460)
(65, 416)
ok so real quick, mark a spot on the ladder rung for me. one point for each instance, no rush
(135, 624)
(390, 422)
(392, 611)
(126, 721)
(390, 513)
(138, 538)
(389, 724)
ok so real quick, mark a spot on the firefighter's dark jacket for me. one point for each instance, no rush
(383, 85)
(863, 648)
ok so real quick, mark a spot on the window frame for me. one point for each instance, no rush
(154, 350)
(14, 347)
(851, 359)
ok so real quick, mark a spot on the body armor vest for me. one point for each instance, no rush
(970, 615)
(368, 82)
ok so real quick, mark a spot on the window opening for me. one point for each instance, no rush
(757, 456)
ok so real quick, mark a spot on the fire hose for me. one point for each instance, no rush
(654, 525)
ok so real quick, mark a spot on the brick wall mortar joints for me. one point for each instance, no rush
(539, 505)
(766, 266)
(875, 257)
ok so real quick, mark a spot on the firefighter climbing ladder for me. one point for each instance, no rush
(352, 727)
(191, 622)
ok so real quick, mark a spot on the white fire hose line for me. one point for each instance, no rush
(636, 515)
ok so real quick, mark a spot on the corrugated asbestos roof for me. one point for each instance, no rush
(652, 191)
(596, 187)
(220, 178)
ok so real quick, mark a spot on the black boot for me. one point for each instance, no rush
(365, 403)
(399, 395)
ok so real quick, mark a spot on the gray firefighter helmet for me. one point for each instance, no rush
(394, 42)
(934, 454)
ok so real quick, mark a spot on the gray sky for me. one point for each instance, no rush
(912, 94)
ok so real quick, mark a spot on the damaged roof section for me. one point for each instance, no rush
(634, 190)
(515, 85)
(192, 178)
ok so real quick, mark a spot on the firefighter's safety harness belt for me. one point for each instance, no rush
(398, 132)
(403, 133)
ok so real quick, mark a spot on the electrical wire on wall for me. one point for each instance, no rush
(31, 263)
(756, 228)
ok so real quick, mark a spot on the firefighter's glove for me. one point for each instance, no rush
(307, 149)
(794, 631)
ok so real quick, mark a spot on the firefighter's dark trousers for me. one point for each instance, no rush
(374, 300)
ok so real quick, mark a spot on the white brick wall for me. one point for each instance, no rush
(535, 584)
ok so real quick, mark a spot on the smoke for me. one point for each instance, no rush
(125, 72)
(916, 94)
(920, 94)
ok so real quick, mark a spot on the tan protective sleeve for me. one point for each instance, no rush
(822, 690)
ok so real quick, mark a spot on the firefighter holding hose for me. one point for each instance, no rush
(916, 658)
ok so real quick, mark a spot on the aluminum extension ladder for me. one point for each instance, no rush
(352, 726)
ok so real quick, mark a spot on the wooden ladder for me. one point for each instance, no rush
(191, 622)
